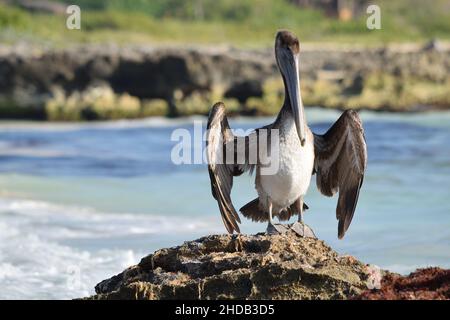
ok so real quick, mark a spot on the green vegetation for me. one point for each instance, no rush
(245, 23)
(101, 103)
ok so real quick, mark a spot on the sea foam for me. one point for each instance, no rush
(50, 251)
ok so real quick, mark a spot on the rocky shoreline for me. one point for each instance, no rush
(265, 267)
(110, 82)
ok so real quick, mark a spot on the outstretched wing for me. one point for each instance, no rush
(340, 162)
(227, 157)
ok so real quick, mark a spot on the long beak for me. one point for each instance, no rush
(293, 87)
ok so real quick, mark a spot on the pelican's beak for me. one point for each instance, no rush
(291, 72)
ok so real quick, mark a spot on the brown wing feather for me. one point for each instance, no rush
(340, 163)
(219, 139)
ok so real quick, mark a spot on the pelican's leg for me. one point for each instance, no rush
(300, 227)
(274, 228)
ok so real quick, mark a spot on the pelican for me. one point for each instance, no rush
(338, 158)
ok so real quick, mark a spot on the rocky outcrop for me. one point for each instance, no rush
(93, 82)
(241, 267)
(40, 81)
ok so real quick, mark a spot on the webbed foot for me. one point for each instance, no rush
(303, 230)
(276, 228)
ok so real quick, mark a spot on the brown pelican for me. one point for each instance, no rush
(338, 158)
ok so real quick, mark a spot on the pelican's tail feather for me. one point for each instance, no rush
(255, 212)
(287, 213)
(252, 210)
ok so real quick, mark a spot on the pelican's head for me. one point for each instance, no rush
(287, 50)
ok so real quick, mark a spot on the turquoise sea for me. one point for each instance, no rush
(80, 202)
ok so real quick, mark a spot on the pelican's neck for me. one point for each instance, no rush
(285, 119)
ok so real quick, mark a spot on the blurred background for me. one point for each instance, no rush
(247, 23)
(87, 185)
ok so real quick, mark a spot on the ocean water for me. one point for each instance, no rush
(80, 202)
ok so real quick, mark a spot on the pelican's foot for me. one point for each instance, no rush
(303, 230)
(276, 228)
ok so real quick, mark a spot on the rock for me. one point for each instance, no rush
(434, 44)
(241, 267)
(244, 90)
